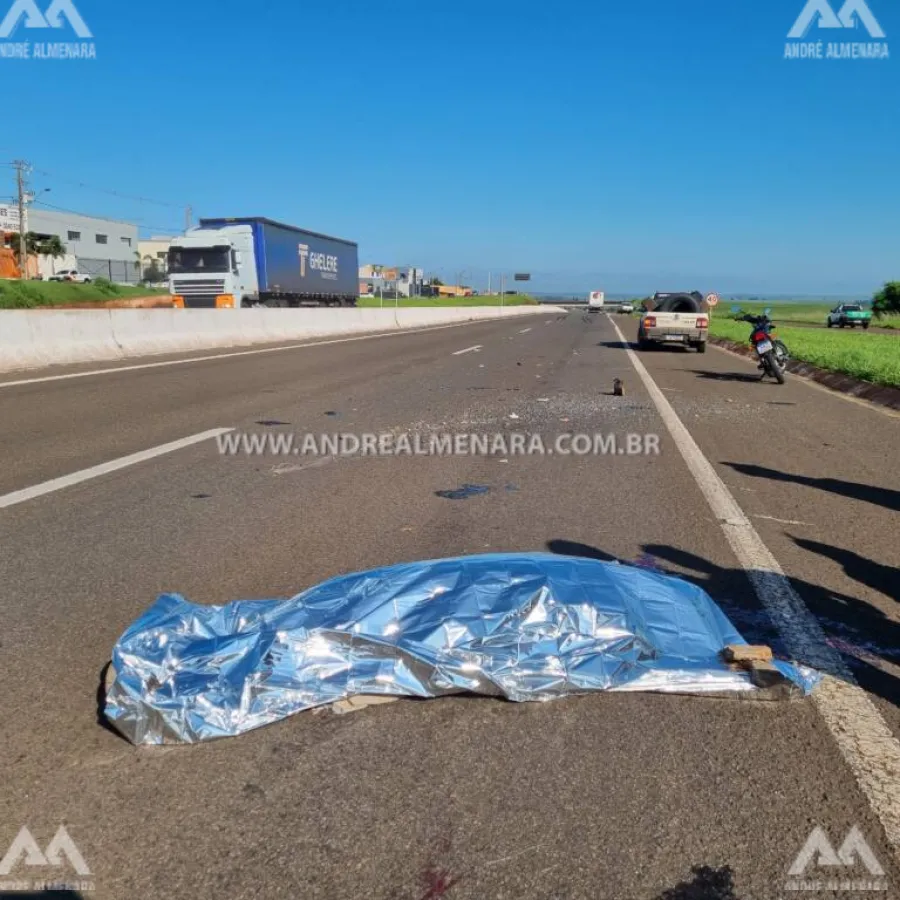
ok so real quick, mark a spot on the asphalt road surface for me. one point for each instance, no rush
(628, 797)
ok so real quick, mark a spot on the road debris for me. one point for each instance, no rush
(464, 492)
(525, 626)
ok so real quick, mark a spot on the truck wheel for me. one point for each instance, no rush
(843, 324)
(866, 326)
(830, 324)
(701, 346)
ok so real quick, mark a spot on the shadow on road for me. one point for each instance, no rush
(889, 499)
(45, 895)
(727, 376)
(616, 345)
(573, 548)
(864, 636)
(102, 721)
(877, 576)
(706, 883)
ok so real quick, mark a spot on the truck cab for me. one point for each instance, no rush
(596, 299)
(214, 268)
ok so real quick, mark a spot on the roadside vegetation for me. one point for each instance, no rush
(32, 294)
(805, 313)
(865, 355)
(511, 300)
(885, 306)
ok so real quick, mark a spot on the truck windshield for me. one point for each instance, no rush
(187, 260)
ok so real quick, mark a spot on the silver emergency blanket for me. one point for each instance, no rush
(520, 626)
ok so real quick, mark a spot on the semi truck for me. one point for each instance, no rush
(254, 261)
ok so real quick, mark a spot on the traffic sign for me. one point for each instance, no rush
(712, 300)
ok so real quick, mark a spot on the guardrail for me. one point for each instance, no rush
(34, 338)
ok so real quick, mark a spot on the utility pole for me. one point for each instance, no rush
(188, 217)
(21, 167)
(489, 284)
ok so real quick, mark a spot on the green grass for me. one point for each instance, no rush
(864, 355)
(31, 294)
(517, 300)
(804, 313)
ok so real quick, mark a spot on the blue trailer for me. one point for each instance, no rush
(254, 261)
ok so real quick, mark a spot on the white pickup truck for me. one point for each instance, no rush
(71, 275)
(674, 318)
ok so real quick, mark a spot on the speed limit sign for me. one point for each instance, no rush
(712, 300)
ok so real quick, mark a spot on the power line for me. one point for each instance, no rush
(139, 222)
(112, 193)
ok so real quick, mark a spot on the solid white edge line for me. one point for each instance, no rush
(864, 739)
(232, 354)
(58, 484)
(468, 350)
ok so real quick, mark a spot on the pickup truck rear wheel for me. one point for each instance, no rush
(701, 346)
(830, 324)
(865, 325)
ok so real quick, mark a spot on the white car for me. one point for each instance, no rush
(70, 275)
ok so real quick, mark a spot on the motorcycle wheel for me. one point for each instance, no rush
(774, 369)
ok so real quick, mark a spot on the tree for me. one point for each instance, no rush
(152, 273)
(887, 300)
(40, 245)
(436, 282)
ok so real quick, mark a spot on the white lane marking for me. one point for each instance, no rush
(468, 350)
(784, 521)
(232, 354)
(57, 484)
(525, 331)
(863, 737)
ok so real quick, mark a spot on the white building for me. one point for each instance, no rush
(155, 250)
(101, 248)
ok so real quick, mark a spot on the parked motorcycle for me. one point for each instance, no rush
(772, 353)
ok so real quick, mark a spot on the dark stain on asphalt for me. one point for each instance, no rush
(464, 492)
(706, 883)
(271, 423)
(200, 496)
(512, 488)
(437, 883)
(331, 412)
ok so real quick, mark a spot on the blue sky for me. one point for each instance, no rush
(630, 146)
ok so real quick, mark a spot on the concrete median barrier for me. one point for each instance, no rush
(36, 338)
